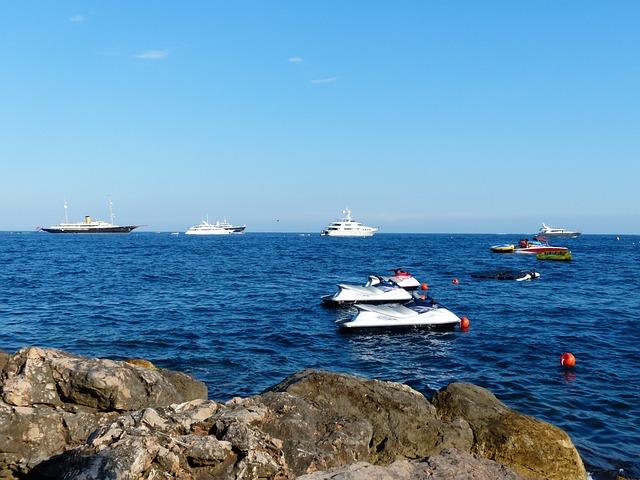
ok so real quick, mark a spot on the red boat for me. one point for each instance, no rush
(535, 246)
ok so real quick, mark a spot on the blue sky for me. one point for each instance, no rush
(420, 116)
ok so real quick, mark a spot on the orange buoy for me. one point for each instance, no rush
(567, 360)
(424, 287)
(464, 323)
(455, 281)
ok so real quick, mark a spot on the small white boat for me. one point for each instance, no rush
(418, 313)
(348, 227)
(557, 232)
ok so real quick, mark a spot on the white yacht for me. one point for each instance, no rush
(206, 228)
(347, 227)
(557, 232)
(218, 228)
(232, 228)
(89, 225)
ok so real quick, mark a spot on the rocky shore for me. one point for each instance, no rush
(65, 416)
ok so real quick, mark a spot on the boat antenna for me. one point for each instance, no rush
(66, 207)
(111, 215)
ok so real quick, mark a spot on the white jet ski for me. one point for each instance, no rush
(517, 275)
(417, 313)
(400, 277)
(382, 292)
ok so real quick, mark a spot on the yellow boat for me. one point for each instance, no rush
(503, 248)
(559, 256)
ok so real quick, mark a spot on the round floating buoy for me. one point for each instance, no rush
(567, 360)
(424, 287)
(464, 323)
(455, 281)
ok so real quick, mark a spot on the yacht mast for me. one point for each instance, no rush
(66, 215)
(111, 215)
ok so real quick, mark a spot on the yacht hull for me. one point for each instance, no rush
(208, 233)
(114, 229)
(335, 233)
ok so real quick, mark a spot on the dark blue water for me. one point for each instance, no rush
(242, 312)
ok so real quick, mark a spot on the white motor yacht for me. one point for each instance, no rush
(348, 227)
(548, 231)
(232, 228)
(206, 228)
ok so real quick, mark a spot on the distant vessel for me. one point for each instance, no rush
(89, 225)
(232, 228)
(347, 227)
(557, 232)
(218, 228)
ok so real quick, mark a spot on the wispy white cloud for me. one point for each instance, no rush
(153, 55)
(325, 80)
(77, 18)
(295, 59)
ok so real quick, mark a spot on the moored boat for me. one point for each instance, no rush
(348, 227)
(557, 232)
(535, 246)
(88, 225)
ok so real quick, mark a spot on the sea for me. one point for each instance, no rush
(242, 312)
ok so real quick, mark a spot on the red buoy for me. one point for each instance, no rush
(424, 287)
(455, 281)
(567, 360)
(464, 323)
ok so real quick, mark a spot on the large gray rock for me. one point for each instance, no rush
(531, 447)
(313, 421)
(309, 424)
(52, 377)
(332, 419)
(51, 401)
(450, 464)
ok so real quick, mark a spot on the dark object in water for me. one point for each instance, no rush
(517, 275)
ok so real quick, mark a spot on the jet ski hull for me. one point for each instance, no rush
(345, 298)
(399, 317)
